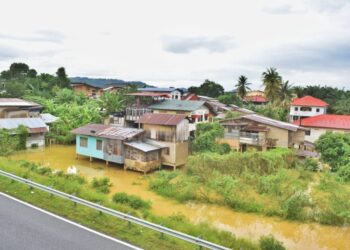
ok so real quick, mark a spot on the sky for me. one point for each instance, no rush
(181, 43)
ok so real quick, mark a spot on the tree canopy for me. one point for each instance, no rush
(272, 82)
(242, 86)
(208, 88)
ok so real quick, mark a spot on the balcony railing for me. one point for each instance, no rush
(134, 113)
(246, 137)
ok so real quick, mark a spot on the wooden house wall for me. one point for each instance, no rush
(113, 151)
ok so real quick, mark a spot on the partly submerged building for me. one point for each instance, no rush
(36, 129)
(18, 108)
(170, 132)
(117, 145)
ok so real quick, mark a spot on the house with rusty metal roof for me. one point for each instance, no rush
(260, 132)
(171, 132)
(36, 129)
(18, 108)
(117, 145)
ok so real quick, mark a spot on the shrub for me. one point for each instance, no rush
(43, 170)
(131, 200)
(343, 173)
(310, 164)
(101, 185)
(270, 243)
(294, 206)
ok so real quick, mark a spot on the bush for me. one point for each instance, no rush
(310, 164)
(343, 173)
(270, 243)
(131, 200)
(101, 185)
(294, 206)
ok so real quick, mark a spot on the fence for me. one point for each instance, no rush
(164, 230)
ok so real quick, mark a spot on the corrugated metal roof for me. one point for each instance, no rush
(162, 119)
(10, 102)
(48, 118)
(107, 131)
(271, 122)
(178, 105)
(150, 94)
(144, 147)
(119, 133)
(34, 125)
(155, 89)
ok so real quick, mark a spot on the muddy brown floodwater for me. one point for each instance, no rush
(294, 235)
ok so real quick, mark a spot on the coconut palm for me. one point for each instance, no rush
(242, 86)
(272, 82)
(286, 93)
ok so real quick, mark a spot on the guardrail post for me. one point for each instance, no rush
(161, 234)
(30, 187)
(199, 247)
(129, 223)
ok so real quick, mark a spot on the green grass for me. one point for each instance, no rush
(272, 183)
(137, 235)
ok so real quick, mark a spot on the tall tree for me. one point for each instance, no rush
(272, 82)
(208, 88)
(62, 77)
(112, 102)
(242, 86)
(18, 69)
(286, 93)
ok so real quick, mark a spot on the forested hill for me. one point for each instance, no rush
(105, 81)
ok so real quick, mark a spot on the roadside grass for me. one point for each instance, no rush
(273, 183)
(137, 235)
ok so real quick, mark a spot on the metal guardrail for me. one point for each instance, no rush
(195, 240)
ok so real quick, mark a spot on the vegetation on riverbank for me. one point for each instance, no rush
(77, 185)
(272, 183)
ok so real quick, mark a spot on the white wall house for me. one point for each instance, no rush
(320, 124)
(36, 129)
(306, 106)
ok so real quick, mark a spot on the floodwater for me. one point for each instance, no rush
(294, 235)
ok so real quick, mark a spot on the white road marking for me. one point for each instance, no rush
(71, 222)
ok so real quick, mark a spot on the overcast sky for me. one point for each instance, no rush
(182, 42)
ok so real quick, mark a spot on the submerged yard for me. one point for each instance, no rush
(217, 200)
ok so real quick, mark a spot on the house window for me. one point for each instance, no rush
(83, 142)
(296, 108)
(99, 145)
(166, 151)
(305, 109)
(317, 110)
(308, 132)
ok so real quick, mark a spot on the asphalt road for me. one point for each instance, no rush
(28, 228)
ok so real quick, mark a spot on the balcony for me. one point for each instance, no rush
(246, 137)
(134, 113)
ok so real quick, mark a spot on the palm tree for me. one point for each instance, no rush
(272, 82)
(242, 86)
(286, 93)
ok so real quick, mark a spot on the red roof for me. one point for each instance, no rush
(162, 119)
(326, 121)
(256, 98)
(309, 101)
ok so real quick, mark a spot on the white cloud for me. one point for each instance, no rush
(179, 43)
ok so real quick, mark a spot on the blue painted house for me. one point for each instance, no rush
(105, 142)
